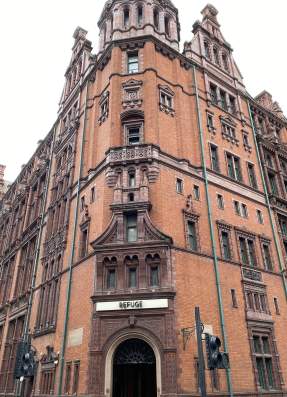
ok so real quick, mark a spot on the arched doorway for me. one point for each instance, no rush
(134, 370)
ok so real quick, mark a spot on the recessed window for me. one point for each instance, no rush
(233, 167)
(76, 377)
(264, 362)
(252, 176)
(84, 243)
(126, 17)
(133, 63)
(267, 257)
(225, 242)
(132, 277)
(196, 192)
(234, 299)
(206, 49)
(132, 179)
(216, 55)
(283, 227)
(131, 228)
(156, 19)
(213, 94)
(259, 216)
(223, 101)
(214, 158)
(154, 276)
(179, 185)
(167, 25)
(111, 278)
(225, 62)
(232, 105)
(276, 304)
(93, 194)
(166, 99)
(244, 210)
(273, 183)
(140, 15)
(210, 123)
(82, 203)
(228, 131)
(220, 201)
(237, 207)
(192, 237)
(247, 251)
(133, 134)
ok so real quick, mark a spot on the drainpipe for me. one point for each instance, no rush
(278, 251)
(71, 260)
(37, 255)
(211, 230)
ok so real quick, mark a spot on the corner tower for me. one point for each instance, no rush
(122, 19)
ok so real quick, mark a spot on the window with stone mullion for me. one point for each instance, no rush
(15, 333)
(264, 362)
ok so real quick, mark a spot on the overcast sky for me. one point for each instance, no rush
(36, 41)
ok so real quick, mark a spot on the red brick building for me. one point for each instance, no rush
(160, 187)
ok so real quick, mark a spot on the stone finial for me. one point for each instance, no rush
(210, 12)
(80, 33)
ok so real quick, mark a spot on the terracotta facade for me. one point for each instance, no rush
(160, 187)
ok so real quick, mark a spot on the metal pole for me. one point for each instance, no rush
(201, 365)
(212, 235)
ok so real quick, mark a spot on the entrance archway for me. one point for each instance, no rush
(134, 370)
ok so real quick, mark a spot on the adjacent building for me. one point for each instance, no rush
(161, 187)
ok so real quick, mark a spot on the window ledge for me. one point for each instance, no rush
(258, 316)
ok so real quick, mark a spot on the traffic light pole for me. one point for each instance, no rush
(201, 365)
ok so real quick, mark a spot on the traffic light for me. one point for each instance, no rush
(215, 358)
(25, 362)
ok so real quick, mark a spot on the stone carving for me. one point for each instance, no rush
(132, 94)
(251, 274)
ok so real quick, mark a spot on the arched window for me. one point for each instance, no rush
(105, 33)
(140, 15)
(206, 50)
(126, 17)
(112, 26)
(166, 25)
(225, 61)
(216, 55)
(132, 178)
(153, 263)
(156, 18)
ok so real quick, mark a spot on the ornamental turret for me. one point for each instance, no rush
(125, 19)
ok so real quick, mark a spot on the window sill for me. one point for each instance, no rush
(44, 331)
